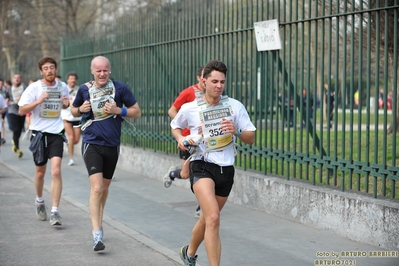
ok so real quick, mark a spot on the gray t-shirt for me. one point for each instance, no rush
(15, 94)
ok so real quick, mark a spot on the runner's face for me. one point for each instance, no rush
(101, 70)
(214, 84)
(49, 72)
(71, 81)
(17, 80)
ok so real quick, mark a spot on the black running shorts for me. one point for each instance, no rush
(53, 147)
(100, 159)
(74, 123)
(223, 176)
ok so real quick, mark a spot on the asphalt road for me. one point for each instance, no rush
(146, 224)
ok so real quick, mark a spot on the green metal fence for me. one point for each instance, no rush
(328, 48)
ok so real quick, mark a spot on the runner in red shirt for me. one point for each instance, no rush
(187, 95)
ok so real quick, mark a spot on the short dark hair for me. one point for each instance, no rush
(47, 60)
(214, 65)
(72, 73)
(199, 71)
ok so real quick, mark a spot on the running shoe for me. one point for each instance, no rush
(188, 261)
(41, 211)
(198, 212)
(71, 162)
(2, 142)
(55, 219)
(166, 178)
(14, 149)
(98, 243)
(19, 152)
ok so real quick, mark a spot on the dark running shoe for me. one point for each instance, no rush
(188, 261)
(98, 243)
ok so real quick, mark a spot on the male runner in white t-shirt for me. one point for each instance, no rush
(219, 120)
(45, 98)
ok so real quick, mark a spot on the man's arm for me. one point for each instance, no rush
(27, 108)
(3, 105)
(75, 111)
(177, 134)
(247, 137)
(172, 112)
(134, 111)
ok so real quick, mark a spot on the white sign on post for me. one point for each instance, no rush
(267, 35)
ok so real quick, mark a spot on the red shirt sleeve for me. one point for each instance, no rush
(187, 95)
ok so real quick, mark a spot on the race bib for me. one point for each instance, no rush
(211, 120)
(98, 98)
(51, 107)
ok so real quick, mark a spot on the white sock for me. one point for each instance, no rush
(54, 209)
(39, 200)
(97, 232)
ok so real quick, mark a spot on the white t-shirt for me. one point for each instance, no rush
(53, 125)
(3, 105)
(66, 113)
(188, 116)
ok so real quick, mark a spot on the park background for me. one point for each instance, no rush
(155, 47)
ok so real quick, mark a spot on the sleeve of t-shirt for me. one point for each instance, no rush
(28, 95)
(65, 91)
(128, 97)
(79, 99)
(243, 121)
(2, 102)
(180, 120)
(182, 98)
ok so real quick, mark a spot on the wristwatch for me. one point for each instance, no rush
(239, 132)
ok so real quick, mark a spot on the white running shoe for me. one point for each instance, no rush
(41, 211)
(167, 182)
(55, 219)
(71, 162)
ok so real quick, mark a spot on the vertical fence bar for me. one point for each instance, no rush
(395, 99)
(360, 93)
(377, 83)
(343, 94)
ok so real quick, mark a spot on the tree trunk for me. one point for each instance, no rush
(42, 22)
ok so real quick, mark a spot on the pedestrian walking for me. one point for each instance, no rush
(329, 102)
(187, 95)
(16, 120)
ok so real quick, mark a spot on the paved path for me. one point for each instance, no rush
(146, 224)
